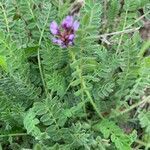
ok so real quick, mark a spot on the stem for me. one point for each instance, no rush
(81, 79)
(125, 21)
(38, 55)
(83, 85)
(31, 12)
(38, 52)
(92, 102)
(143, 143)
(5, 18)
(146, 100)
(137, 20)
(126, 76)
(40, 69)
(14, 134)
(113, 33)
(126, 30)
(66, 89)
(105, 10)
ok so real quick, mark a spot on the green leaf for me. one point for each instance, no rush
(30, 123)
(110, 130)
(144, 117)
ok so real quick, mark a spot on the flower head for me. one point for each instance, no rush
(65, 34)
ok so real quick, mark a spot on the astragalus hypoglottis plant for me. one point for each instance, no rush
(74, 75)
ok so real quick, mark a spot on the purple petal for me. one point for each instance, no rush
(57, 41)
(70, 43)
(71, 37)
(76, 25)
(54, 28)
(63, 46)
(67, 22)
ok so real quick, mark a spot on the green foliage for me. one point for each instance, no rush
(30, 123)
(113, 9)
(11, 113)
(51, 111)
(54, 98)
(12, 58)
(55, 68)
(110, 129)
(123, 13)
(145, 120)
(132, 5)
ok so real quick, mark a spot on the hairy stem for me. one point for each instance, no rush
(121, 37)
(83, 86)
(5, 17)
(146, 100)
(38, 54)
(13, 134)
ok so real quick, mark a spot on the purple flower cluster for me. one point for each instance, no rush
(64, 35)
